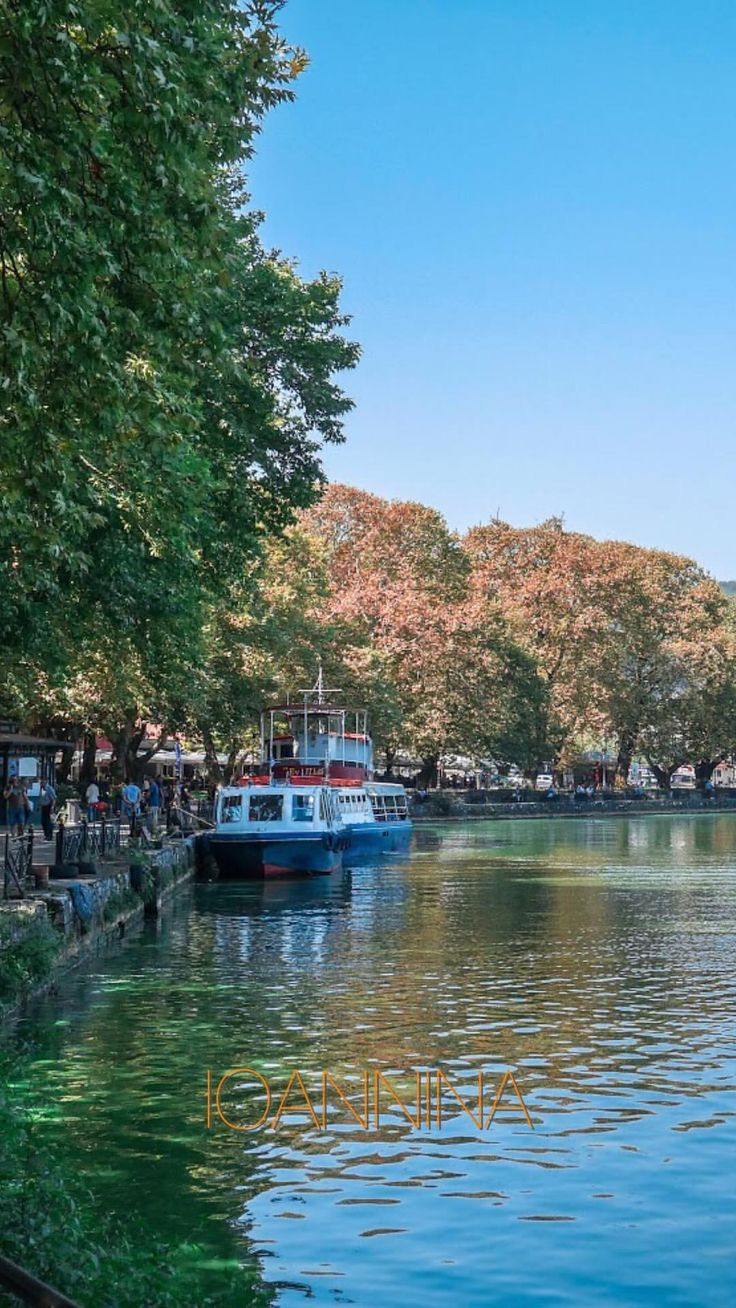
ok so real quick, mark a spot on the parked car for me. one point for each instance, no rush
(683, 779)
(545, 781)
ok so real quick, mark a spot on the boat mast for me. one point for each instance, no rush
(314, 699)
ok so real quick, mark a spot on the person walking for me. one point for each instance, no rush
(15, 802)
(47, 801)
(154, 805)
(92, 797)
(164, 787)
(185, 810)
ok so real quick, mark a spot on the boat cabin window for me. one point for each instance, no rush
(389, 808)
(378, 810)
(302, 808)
(265, 808)
(329, 806)
(232, 808)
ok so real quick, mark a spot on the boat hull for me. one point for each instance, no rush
(252, 858)
(371, 839)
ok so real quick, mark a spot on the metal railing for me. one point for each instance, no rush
(29, 1289)
(17, 863)
(87, 840)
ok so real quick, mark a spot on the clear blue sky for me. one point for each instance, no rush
(533, 207)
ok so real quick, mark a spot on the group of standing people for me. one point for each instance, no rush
(19, 806)
(156, 802)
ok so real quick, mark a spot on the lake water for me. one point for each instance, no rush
(595, 958)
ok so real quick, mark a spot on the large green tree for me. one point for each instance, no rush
(166, 381)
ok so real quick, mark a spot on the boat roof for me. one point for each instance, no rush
(261, 787)
(348, 735)
(301, 709)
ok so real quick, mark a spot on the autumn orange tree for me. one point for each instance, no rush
(514, 644)
(667, 675)
(633, 644)
(551, 588)
(517, 644)
(453, 678)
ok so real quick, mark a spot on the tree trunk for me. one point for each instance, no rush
(704, 770)
(133, 764)
(126, 765)
(232, 759)
(89, 758)
(120, 753)
(663, 774)
(626, 744)
(142, 760)
(210, 756)
(390, 755)
(428, 773)
(65, 766)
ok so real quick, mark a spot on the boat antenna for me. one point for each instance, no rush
(319, 689)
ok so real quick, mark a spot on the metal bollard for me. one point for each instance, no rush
(60, 841)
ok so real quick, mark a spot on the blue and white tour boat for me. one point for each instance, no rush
(311, 806)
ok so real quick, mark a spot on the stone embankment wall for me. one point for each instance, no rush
(44, 934)
(450, 805)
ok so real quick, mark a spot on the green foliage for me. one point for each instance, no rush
(26, 960)
(166, 381)
(123, 901)
(52, 1226)
(149, 886)
(65, 791)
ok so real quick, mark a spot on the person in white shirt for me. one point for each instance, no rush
(92, 796)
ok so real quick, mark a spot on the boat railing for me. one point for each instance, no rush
(186, 817)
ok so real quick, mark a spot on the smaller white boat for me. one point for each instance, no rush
(375, 817)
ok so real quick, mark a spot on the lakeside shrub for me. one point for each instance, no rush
(52, 1225)
(26, 960)
(121, 902)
